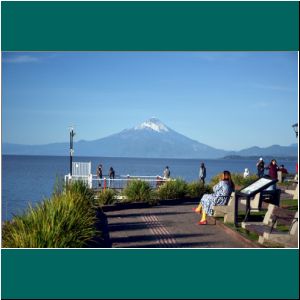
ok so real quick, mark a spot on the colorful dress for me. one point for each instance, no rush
(221, 192)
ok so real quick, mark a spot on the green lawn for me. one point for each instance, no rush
(289, 203)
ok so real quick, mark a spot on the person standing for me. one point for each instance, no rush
(99, 174)
(260, 168)
(246, 173)
(202, 173)
(273, 168)
(284, 172)
(167, 173)
(111, 175)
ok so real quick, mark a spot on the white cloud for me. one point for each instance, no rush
(259, 104)
(21, 59)
(273, 87)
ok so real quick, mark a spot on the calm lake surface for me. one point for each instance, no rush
(30, 179)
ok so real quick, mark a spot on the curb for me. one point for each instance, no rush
(238, 236)
(134, 205)
(101, 225)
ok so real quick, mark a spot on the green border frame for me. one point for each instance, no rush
(151, 274)
(150, 26)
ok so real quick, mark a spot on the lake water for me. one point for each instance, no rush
(30, 179)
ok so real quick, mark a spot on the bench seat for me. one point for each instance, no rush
(267, 228)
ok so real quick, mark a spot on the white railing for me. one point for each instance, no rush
(86, 179)
(82, 171)
(81, 168)
(122, 182)
(117, 183)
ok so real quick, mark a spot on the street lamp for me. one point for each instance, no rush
(72, 133)
(295, 127)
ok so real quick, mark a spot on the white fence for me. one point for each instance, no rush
(82, 171)
(123, 180)
(81, 168)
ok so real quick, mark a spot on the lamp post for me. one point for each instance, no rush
(72, 133)
(295, 127)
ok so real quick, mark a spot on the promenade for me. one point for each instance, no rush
(168, 226)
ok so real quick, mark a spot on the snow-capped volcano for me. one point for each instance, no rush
(151, 139)
(153, 124)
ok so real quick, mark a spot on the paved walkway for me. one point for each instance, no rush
(166, 226)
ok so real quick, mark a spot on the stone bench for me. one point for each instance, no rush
(228, 211)
(267, 231)
(294, 193)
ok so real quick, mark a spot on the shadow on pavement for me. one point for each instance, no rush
(145, 214)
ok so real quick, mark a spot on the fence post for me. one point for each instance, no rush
(104, 183)
(90, 181)
(279, 176)
(69, 178)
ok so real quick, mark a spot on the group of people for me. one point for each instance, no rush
(223, 189)
(272, 167)
(111, 173)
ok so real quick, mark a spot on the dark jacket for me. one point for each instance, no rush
(111, 173)
(273, 171)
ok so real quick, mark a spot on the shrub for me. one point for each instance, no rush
(64, 221)
(81, 188)
(138, 190)
(106, 197)
(173, 189)
(237, 178)
(197, 189)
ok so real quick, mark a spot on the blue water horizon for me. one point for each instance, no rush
(30, 179)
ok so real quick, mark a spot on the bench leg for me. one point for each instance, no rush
(229, 217)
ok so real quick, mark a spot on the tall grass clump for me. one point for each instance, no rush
(59, 186)
(138, 190)
(64, 221)
(80, 188)
(197, 189)
(237, 178)
(105, 197)
(173, 189)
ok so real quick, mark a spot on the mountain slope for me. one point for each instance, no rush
(274, 150)
(151, 139)
(146, 141)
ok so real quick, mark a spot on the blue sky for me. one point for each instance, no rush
(228, 100)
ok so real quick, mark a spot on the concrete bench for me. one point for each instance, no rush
(228, 211)
(267, 228)
(294, 193)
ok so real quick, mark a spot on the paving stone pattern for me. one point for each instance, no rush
(166, 226)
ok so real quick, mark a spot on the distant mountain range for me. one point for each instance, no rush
(151, 139)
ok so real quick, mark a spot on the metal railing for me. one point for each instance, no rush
(122, 181)
(93, 181)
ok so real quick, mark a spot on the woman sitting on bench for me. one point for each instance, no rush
(220, 196)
